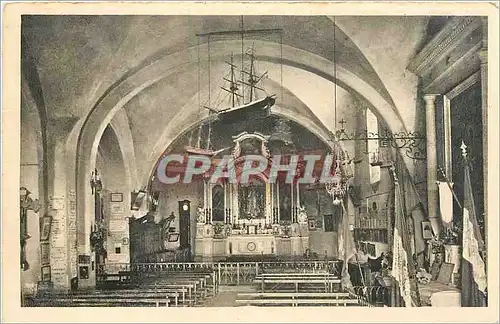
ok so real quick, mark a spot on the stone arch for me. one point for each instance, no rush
(120, 127)
(114, 99)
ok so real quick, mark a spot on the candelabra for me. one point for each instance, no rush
(337, 186)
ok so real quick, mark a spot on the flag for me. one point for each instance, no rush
(347, 249)
(402, 264)
(473, 267)
(446, 202)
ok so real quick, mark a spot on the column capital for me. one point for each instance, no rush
(430, 98)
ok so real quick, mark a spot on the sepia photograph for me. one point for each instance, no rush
(252, 160)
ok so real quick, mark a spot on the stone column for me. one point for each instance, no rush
(432, 189)
(362, 169)
(483, 56)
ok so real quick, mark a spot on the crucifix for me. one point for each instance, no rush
(26, 203)
(342, 122)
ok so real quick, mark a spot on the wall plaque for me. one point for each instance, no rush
(45, 253)
(57, 203)
(46, 275)
(116, 197)
(117, 208)
(84, 272)
(84, 259)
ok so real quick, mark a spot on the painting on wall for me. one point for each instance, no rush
(312, 224)
(46, 274)
(44, 253)
(46, 222)
(426, 230)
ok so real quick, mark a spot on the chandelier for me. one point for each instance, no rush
(337, 185)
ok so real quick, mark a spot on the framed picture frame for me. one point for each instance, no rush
(84, 259)
(44, 253)
(46, 223)
(312, 224)
(116, 197)
(427, 230)
(46, 274)
(136, 199)
(84, 272)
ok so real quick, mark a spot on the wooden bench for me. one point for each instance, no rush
(131, 294)
(198, 285)
(297, 274)
(327, 282)
(105, 300)
(296, 302)
(208, 280)
(187, 291)
(295, 294)
(179, 294)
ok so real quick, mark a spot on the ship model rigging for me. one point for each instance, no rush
(243, 96)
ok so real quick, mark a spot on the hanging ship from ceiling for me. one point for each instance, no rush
(242, 96)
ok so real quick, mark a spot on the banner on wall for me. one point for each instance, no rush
(446, 202)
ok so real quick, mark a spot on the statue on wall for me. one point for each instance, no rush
(26, 203)
(302, 217)
(200, 214)
(165, 226)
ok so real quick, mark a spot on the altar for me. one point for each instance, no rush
(263, 244)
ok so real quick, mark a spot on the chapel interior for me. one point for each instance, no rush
(400, 102)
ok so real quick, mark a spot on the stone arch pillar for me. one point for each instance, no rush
(32, 169)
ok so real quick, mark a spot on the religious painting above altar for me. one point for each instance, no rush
(252, 199)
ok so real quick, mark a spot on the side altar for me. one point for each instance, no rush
(251, 218)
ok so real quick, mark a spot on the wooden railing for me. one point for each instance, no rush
(227, 273)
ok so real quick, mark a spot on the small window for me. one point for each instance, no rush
(118, 250)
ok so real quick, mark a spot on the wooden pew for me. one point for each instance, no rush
(185, 291)
(198, 288)
(297, 302)
(327, 282)
(91, 299)
(295, 294)
(297, 274)
(208, 281)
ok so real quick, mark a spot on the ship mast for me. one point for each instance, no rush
(233, 84)
(253, 79)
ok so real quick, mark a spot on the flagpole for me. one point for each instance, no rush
(451, 188)
(345, 228)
